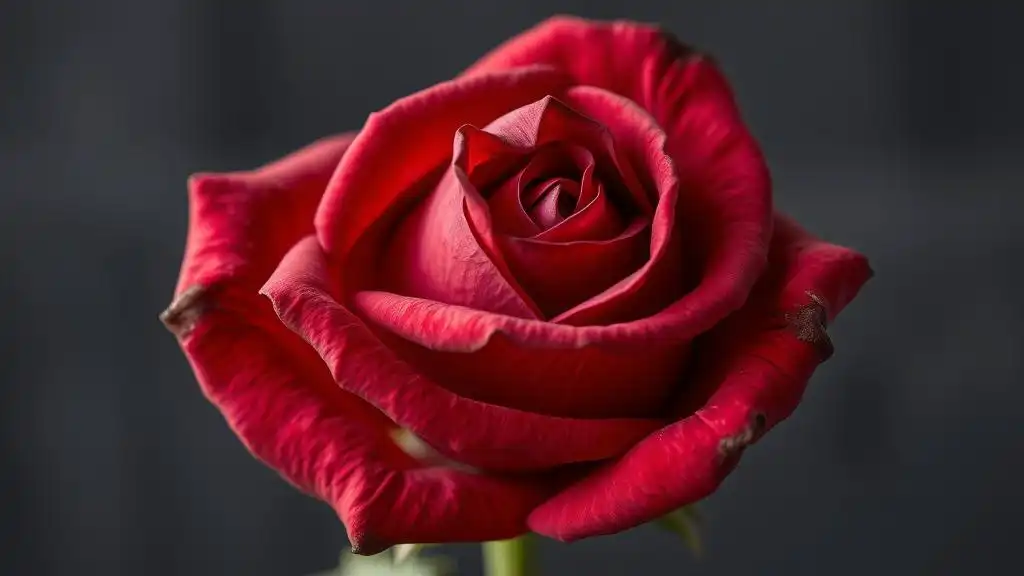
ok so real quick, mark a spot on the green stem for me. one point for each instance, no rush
(509, 557)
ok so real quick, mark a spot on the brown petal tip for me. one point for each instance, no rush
(809, 323)
(186, 310)
(731, 444)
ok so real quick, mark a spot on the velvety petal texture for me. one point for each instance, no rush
(561, 272)
(725, 194)
(750, 375)
(278, 395)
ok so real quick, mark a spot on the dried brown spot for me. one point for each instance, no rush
(181, 316)
(731, 444)
(810, 322)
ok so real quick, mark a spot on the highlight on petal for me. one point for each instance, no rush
(749, 375)
(304, 296)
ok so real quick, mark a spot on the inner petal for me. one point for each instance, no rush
(440, 252)
(558, 168)
(549, 121)
(594, 218)
(560, 275)
(555, 202)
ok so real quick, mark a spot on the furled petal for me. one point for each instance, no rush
(594, 220)
(437, 252)
(509, 201)
(560, 275)
(749, 375)
(304, 292)
(276, 393)
(408, 141)
(592, 371)
(528, 364)
(549, 120)
(724, 207)
(554, 200)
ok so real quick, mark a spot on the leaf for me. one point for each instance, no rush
(686, 523)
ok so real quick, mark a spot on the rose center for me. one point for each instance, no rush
(550, 201)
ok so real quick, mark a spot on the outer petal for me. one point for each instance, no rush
(530, 365)
(304, 293)
(274, 203)
(277, 395)
(281, 401)
(755, 368)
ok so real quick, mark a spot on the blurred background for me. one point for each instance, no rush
(893, 126)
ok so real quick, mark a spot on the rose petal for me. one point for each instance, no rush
(275, 202)
(550, 120)
(277, 395)
(616, 52)
(527, 364)
(555, 201)
(560, 275)
(725, 210)
(304, 290)
(545, 122)
(507, 211)
(755, 368)
(436, 253)
(410, 139)
(282, 402)
(640, 291)
(595, 218)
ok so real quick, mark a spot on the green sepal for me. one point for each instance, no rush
(686, 523)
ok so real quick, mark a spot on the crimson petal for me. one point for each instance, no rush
(725, 207)
(543, 267)
(369, 184)
(755, 368)
(530, 364)
(303, 291)
(275, 392)
(438, 252)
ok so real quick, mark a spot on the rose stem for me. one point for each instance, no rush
(509, 557)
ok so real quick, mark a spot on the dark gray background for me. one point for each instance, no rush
(891, 126)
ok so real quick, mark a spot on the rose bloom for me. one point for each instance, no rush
(559, 274)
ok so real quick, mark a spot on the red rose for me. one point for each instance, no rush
(560, 270)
